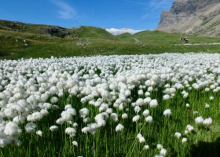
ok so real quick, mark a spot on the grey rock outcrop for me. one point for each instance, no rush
(200, 17)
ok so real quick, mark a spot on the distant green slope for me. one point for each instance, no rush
(20, 40)
(82, 31)
(158, 37)
(92, 32)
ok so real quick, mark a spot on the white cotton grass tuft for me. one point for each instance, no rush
(70, 131)
(140, 138)
(140, 92)
(153, 103)
(189, 128)
(114, 117)
(187, 105)
(66, 116)
(147, 100)
(136, 118)
(146, 147)
(184, 140)
(199, 120)
(124, 116)
(139, 102)
(158, 156)
(177, 134)
(207, 121)
(137, 109)
(163, 152)
(119, 127)
(75, 143)
(30, 127)
(84, 112)
(159, 146)
(206, 105)
(75, 125)
(39, 133)
(60, 121)
(71, 111)
(211, 98)
(37, 116)
(167, 112)
(166, 97)
(146, 112)
(12, 129)
(149, 119)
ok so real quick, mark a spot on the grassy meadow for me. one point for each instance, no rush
(18, 40)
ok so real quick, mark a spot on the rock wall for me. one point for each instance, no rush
(201, 17)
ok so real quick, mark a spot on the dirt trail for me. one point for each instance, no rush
(136, 40)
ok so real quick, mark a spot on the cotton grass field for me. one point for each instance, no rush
(128, 105)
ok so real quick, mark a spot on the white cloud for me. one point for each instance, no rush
(66, 11)
(115, 31)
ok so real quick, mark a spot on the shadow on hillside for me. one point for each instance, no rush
(205, 149)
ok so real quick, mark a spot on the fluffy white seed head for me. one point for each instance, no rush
(167, 112)
(153, 103)
(136, 118)
(53, 128)
(149, 119)
(140, 102)
(137, 109)
(184, 140)
(146, 147)
(70, 131)
(119, 127)
(187, 105)
(177, 134)
(84, 112)
(75, 143)
(207, 121)
(39, 133)
(141, 139)
(146, 112)
(206, 105)
(163, 152)
(30, 127)
(166, 97)
(12, 129)
(124, 116)
(159, 146)
(199, 120)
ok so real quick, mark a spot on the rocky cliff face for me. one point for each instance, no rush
(200, 17)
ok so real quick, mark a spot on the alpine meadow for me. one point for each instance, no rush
(93, 91)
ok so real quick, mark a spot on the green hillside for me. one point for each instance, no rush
(81, 31)
(159, 37)
(20, 40)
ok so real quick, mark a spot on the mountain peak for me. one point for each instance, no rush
(199, 17)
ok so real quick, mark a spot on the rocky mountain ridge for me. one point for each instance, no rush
(199, 17)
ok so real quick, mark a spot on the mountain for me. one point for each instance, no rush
(198, 17)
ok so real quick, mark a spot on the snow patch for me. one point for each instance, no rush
(115, 31)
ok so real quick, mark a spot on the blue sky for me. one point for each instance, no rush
(134, 14)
